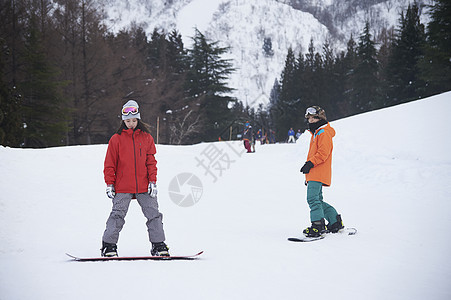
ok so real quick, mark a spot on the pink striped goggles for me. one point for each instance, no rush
(130, 110)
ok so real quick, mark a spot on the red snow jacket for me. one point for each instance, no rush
(130, 161)
(320, 154)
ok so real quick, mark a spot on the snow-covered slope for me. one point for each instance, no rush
(243, 25)
(391, 180)
(255, 22)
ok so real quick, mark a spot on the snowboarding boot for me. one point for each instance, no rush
(316, 230)
(109, 250)
(159, 249)
(335, 227)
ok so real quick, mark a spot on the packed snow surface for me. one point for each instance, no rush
(391, 180)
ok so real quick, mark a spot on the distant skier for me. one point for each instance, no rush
(291, 135)
(252, 139)
(260, 136)
(298, 134)
(130, 171)
(272, 137)
(247, 137)
(318, 173)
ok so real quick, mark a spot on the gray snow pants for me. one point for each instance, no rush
(149, 207)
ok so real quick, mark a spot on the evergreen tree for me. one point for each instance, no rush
(285, 112)
(176, 52)
(366, 94)
(349, 66)
(318, 80)
(207, 84)
(299, 77)
(44, 113)
(209, 71)
(310, 56)
(436, 65)
(156, 58)
(94, 64)
(330, 90)
(11, 133)
(11, 125)
(311, 79)
(86, 63)
(13, 15)
(300, 68)
(127, 77)
(385, 39)
(405, 83)
(274, 95)
(339, 108)
(288, 93)
(185, 120)
(3, 98)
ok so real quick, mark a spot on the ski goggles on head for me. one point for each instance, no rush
(311, 111)
(130, 110)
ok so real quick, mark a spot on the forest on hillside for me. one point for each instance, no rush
(401, 64)
(64, 76)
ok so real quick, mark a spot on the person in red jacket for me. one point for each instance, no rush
(130, 171)
(318, 173)
(247, 137)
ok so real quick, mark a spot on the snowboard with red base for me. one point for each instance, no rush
(118, 258)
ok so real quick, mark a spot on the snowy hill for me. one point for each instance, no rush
(244, 25)
(391, 180)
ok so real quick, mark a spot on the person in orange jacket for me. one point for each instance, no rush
(318, 173)
(130, 171)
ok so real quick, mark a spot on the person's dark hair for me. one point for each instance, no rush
(141, 125)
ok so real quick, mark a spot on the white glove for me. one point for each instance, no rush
(152, 189)
(110, 192)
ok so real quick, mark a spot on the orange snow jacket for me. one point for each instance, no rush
(130, 163)
(320, 154)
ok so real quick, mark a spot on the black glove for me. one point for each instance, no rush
(306, 168)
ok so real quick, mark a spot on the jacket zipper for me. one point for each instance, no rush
(134, 155)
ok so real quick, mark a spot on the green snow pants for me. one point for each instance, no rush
(318, 208)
